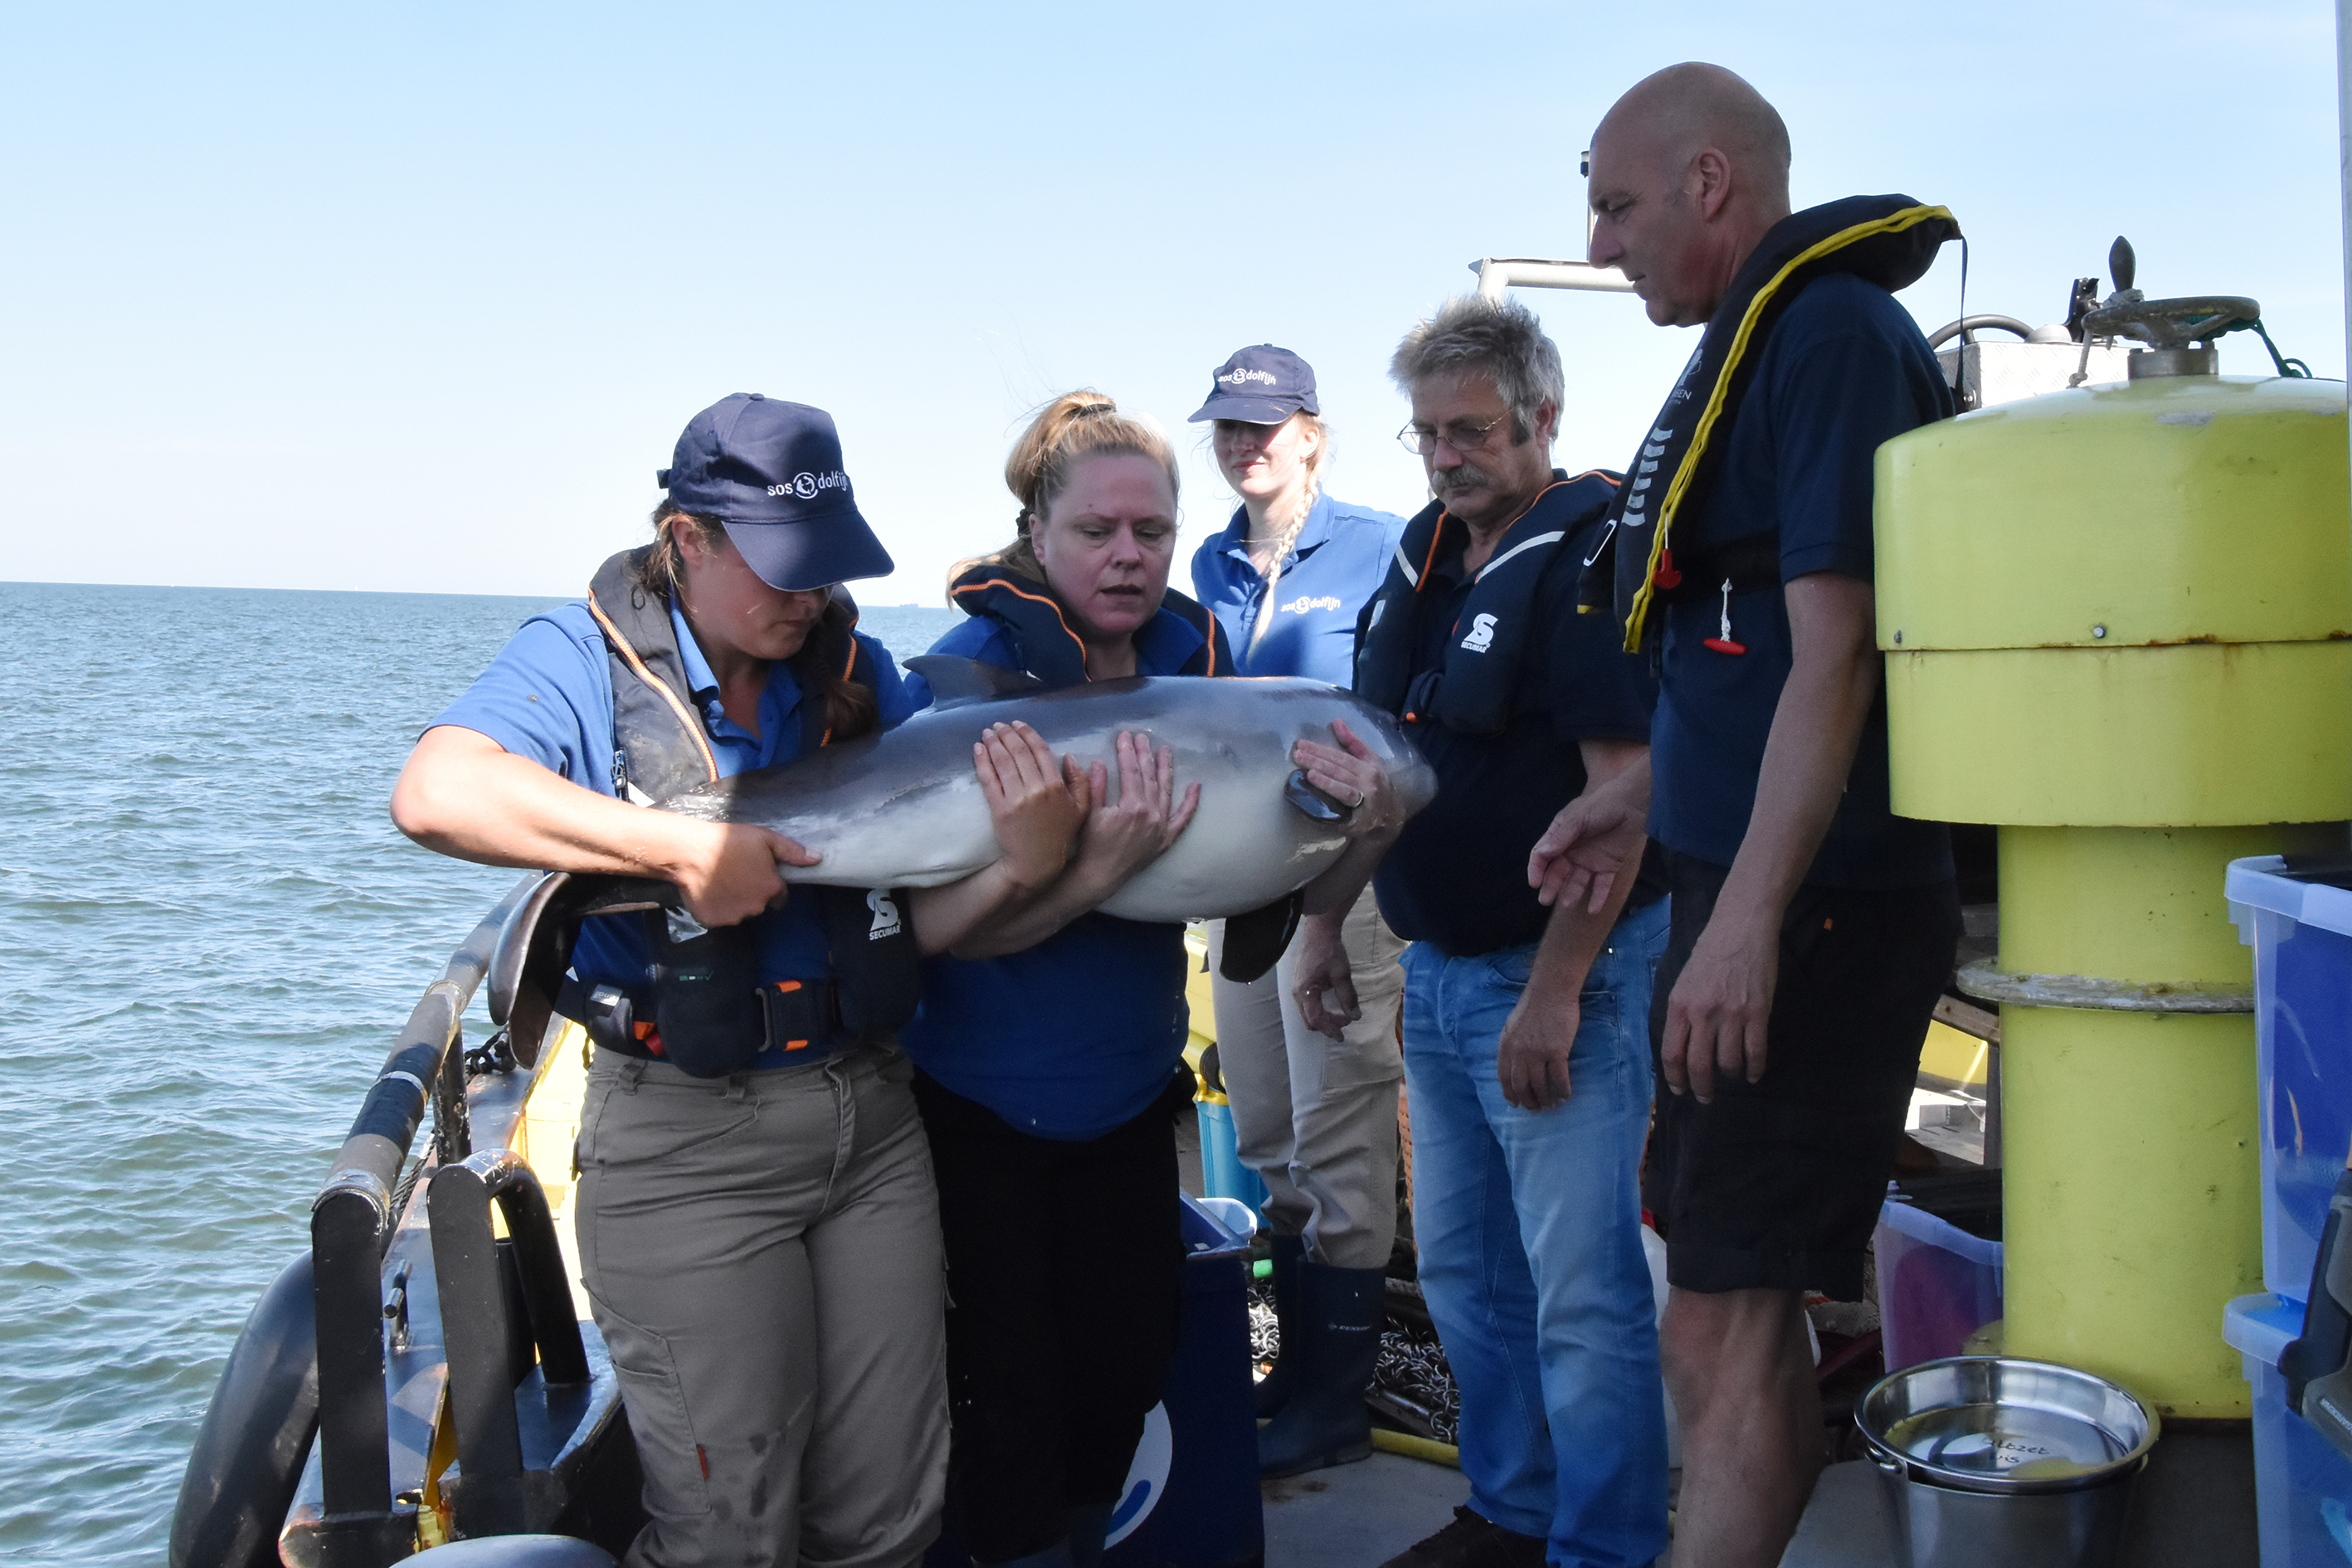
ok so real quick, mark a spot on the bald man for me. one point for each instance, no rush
(1812, 928)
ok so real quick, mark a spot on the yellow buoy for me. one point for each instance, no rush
(2118, 624)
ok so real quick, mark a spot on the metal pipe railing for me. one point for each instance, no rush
(1496, 273)
(352, 1221)
(492, 1495)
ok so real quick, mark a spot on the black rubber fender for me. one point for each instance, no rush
(250, 1451)
(515, 1552)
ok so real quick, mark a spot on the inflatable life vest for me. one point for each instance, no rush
(1473, 690)
(1048, 646)
(1890, 241)
(711, 1010)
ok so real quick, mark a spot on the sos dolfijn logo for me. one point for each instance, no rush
(808, 487)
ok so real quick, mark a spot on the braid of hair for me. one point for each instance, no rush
(822, 666)
(1282, 543)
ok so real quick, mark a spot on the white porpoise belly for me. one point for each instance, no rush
(941, 837)
(1246, 848)
(1238, 854)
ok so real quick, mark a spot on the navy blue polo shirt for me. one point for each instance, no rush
(547, 696)
(1078, 1035)
(1844, 371)
(1336, 563)
(1457, 877)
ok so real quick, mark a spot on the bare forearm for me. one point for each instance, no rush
(1809, 753)
(1629, 788)
(1335, 888)
(1323, 923)
(464, 796)
(1574, 935)
(1025, 921)
(947, 916)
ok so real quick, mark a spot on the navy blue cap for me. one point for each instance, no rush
(772, 472)
(1264, 385)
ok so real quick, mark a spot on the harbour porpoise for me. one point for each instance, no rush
(902, 809)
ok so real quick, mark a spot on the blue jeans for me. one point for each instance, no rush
(1530, 1229)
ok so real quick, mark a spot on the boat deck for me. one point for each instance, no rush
(1359, 1515)
(2196, 1506)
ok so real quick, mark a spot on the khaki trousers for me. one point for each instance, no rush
(1317, 1118)
(763, 1253)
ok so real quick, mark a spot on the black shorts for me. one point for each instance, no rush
(1778, 1184)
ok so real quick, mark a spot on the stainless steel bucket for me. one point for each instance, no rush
(1999, 1459)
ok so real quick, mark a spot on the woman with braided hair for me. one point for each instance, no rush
(1316, 1121)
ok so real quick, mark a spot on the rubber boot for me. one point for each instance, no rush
(1324, 1421)
(1275, 1387)
(1089, 1524)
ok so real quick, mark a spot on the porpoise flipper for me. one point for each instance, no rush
(1255, 941)
(1310, 802)
(955, 681)
(527, 967)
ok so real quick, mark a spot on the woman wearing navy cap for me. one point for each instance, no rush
(1050, 1046)
(1316, 1120)
(757, 1225)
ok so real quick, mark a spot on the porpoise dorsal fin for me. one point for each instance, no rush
(955, 681)
(1255, 941)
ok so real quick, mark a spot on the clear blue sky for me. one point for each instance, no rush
(418, 297)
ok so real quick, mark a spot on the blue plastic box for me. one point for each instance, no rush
(1936, 1284)
(2302, 1484)
(2302, 936)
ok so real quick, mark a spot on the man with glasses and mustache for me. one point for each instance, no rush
(1526, 1039)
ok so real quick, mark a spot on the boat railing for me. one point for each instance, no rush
(496, 1496)
(351, 1223)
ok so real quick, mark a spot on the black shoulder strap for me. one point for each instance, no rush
(659, 749)
(1473, 690)
(1384, 627)
(1890, 241)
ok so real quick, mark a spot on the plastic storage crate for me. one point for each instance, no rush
(2301, 932)
(1936, 1284)
(2302, 1485)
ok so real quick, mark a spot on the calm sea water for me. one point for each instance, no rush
(209, 935)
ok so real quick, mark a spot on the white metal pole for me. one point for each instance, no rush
(1496, 273)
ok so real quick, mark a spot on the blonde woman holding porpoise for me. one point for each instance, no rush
(1315, 1118)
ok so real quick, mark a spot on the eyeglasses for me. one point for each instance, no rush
(1463, 434)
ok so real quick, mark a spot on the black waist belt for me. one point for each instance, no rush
(799, 1015)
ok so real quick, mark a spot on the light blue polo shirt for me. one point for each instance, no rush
(547, 696)
(1336, 563)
